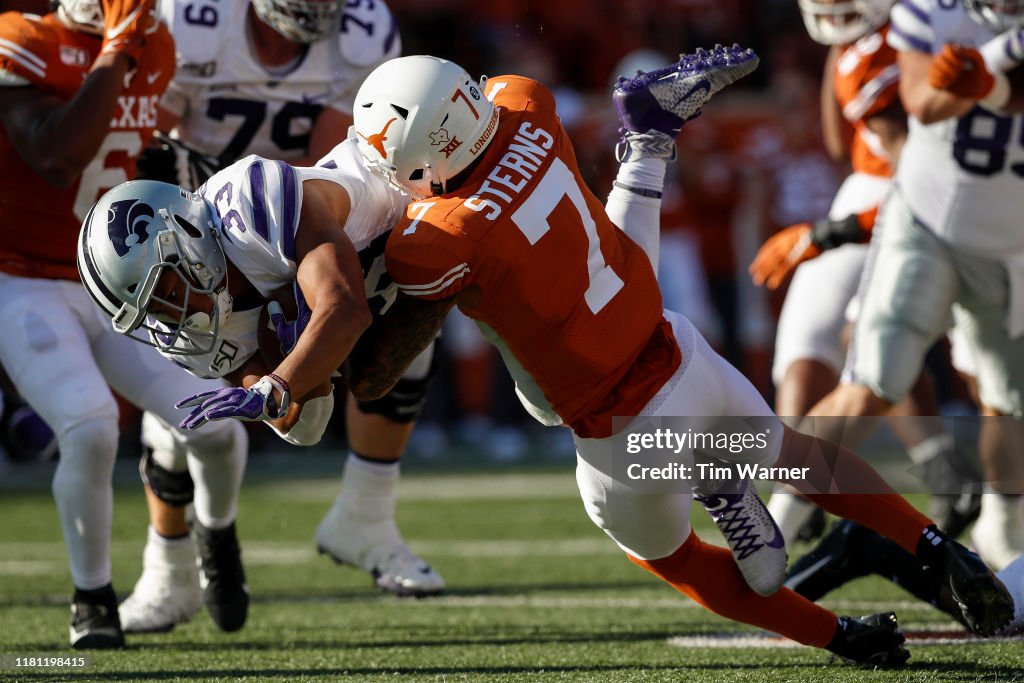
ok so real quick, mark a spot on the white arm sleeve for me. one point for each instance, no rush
(313, 419)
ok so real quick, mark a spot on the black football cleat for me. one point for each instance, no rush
(985, 604)
(874, 640)
(222, 577)
(838, 559)
(95, 624)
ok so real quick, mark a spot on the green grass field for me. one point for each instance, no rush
(536, 594)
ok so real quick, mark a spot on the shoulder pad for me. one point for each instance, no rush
(369, 33)
(25, 47)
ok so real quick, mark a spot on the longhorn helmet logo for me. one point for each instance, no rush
(377, 139)
(128, 224)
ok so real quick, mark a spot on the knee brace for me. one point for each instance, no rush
(174, 488)
(405, 401)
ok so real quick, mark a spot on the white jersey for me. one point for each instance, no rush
(257, 202)
(962, 178)
(231, 106)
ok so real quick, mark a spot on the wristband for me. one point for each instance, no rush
(282, 386)
(999, 96)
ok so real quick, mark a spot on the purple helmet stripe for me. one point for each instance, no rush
(259, 199)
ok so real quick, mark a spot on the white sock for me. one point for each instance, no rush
(368, 488)
(933, 446)
(85, 498)
(790, 512)
(998, 507)
(168, 551)
(637, 215)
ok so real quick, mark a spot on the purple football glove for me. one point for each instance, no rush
(255, 404)
(289, 331)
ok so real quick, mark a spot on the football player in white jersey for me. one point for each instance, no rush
(103, 66)
(864, 125)
(271, 77)
(277, 78)
(951, 239)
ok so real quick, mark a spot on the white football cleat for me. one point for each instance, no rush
(167, 593)
(752, 535)
(377, 547)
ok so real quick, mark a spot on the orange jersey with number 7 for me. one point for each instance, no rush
(573, 299)
(40, 220)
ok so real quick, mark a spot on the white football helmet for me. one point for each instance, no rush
(998, 15)
(841, 22)
(304, 21)
(419, 121)
(82, 15)
(132, 235)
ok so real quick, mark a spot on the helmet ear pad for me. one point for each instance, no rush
(420, 121)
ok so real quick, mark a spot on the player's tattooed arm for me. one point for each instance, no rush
(393, 341)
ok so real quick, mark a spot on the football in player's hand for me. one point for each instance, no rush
(266, 335)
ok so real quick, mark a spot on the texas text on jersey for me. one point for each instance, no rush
(570, 295)
(42, 220)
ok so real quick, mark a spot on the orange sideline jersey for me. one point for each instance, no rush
(866, 83)
(573, 298)
(40, 221)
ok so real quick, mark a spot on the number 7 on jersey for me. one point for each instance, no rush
(532, 220)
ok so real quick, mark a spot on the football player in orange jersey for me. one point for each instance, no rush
(864, 124)
(503, 227)
(78, 100)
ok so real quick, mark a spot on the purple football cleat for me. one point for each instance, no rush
(753, 537)
(664, 99)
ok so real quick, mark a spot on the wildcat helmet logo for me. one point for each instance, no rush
(377, 139)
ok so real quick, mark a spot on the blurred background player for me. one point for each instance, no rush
(282, 87)
(78, 102)
(950, 243)
(865, 124)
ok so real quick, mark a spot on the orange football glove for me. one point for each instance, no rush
(779, 256)
(961, 71)
(126, 23)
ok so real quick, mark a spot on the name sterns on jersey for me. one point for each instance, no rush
(522, 159)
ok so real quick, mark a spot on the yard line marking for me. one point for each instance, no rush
(454, 487)
(27, 567)
(917, 634)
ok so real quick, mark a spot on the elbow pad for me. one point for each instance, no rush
(312, 423)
